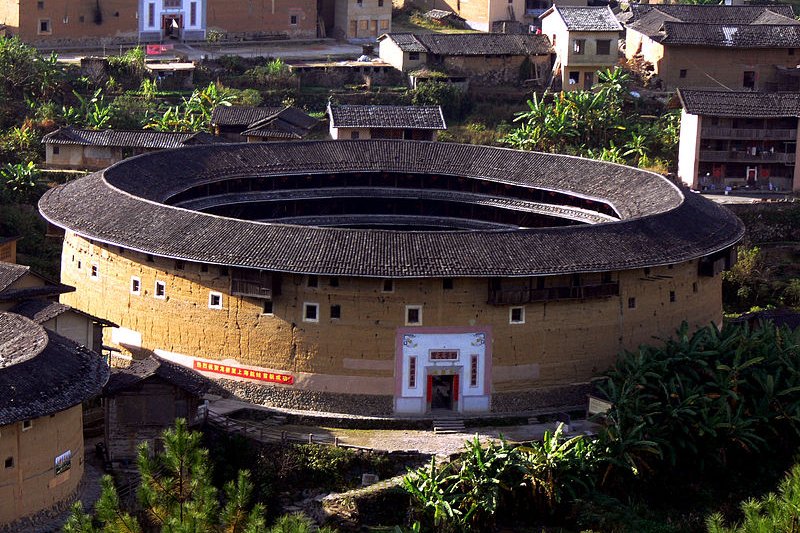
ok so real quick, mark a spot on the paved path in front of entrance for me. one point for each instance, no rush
(391, 440)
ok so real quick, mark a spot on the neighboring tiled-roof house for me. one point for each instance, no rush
(726, 47)
(739, 139)
(418, 123)
(486, 58)
(72, 148)
(30, 295)
(143, 400)
(44, 378)
(256, 124)
(585, 40)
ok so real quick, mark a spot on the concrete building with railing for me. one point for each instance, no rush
(389, 277)
(739, 139)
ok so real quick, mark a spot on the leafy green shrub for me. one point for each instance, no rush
(701, 399)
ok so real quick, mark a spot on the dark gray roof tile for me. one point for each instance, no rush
(659, 224)
(587, 18)
(129, 138)
(387, 116)
(472, 44)
(740, 103)
(42, 372)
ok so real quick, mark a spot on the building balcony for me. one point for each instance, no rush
(551, 294)
(746, 156)
(749, 134)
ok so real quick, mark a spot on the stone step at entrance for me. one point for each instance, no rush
(442, 426)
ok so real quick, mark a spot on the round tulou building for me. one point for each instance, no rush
(389, 277)
(44, 377)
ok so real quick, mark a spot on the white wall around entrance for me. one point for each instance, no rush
(414, 364)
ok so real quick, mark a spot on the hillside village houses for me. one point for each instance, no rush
(482, 58)
(585, 40)
(62, 22)
(739, 139)
(707, 46)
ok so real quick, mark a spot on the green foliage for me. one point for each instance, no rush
(26, 72)
(194, 114)
(176, 494)
(597, 124)
(92, 112)
(434, 92)
(296, 523)
(274, 75)
(704, 398)
(556, 469)
(747, 282)
(468, 493)
(774, 512)
(19, 182)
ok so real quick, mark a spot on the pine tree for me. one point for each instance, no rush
(176, 495)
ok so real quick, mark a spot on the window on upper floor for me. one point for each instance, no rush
(44, 27)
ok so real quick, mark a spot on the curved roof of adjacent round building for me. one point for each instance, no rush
(41, 372)
(642, 219)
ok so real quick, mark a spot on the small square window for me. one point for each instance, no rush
(95, 271)
(388, 285)
(413, 315)
(27, 424)
(136, 285)
(631, 303)
(671, 296)
(333, 282)
(266, 308)
(293, 20)
(161, 289)
(9, 462)
(310, 312)
(682, 73)
(447, 284)
(215, 300)
(312, 281)
(516, 315)
(336, 311)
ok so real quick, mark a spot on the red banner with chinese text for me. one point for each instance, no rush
(229, 370)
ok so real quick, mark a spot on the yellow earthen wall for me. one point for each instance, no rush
(567, 341)
(118, 19)
(31, 484)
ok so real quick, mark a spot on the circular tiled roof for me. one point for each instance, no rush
(42, 372)
(642, 219)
